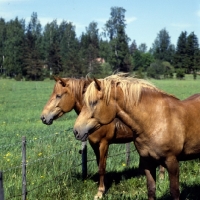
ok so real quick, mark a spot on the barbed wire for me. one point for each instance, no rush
(37, 160)
(58, 153)
(38, 138)
(46, 182)
(10, 145)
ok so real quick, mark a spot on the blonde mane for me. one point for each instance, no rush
(131, 87)
(75, 85)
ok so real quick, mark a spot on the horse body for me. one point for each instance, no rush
(68, 95)
(165, 129)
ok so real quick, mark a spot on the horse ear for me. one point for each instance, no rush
(88, 78)
(56, 78)
(98, 84)
(62, 81)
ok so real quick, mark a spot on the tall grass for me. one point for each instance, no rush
(53, 159)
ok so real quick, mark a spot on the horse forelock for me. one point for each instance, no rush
(91, 93)
(130, 86)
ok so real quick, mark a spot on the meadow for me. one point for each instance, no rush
(53, 159)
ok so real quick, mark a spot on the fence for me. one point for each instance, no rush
(84, 162)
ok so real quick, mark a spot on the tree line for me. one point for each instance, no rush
(32, 52)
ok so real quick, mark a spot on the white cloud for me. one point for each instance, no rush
(130, 19)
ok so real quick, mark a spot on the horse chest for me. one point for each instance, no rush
(146, 148)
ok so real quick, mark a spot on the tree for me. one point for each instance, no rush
(180, 57)
(69, 50)
(133, 47)
(141, 60)
(162, 48)
(115, 30)
(33, 63)
(51, 48)
(142, 48)
(192, 50)
(2, 43)
(14, 47)
(92, 47)
(155, 70)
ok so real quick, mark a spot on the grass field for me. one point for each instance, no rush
(53, 160)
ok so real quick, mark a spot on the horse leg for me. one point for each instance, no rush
(172, 166)
(150, 172)
(103, 150)
(161, 172)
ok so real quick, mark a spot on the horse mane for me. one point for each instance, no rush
(77, 86)
(132, 88)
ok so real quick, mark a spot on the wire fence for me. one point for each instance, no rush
(24, 164)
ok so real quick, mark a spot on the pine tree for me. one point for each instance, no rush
(115, 30)
(162, 48)
(2, 44)
(69, 50)
(180, 57)
(51, 48)
(34, 64)
(192, 50)
(14, 48)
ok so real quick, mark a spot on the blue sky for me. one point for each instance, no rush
(144, 18)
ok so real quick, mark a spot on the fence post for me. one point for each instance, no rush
(84, 159)
(1, 186)
(127, 154)
(23, 168)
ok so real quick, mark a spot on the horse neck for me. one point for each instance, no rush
(137, 116)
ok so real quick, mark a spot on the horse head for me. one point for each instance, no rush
(62, 100)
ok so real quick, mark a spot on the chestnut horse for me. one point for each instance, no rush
(166, 130)
(67, 95)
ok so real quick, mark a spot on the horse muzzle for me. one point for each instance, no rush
(47, 121)
(80, 136)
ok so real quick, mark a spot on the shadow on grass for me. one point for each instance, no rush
(188, 192)
(117, 177)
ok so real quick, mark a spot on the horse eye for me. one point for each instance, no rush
(58, 96)
(94, 103)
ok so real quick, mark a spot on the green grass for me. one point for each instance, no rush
(53, 159)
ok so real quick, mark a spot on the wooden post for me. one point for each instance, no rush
(127, 154)
(1, 186)
(84, 159)
(23, 168)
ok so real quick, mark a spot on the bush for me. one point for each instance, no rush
(180, 74)
(19, 77)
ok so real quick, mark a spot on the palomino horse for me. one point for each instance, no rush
(166, 129)
(67, 95)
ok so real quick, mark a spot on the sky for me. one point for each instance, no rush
(144, 18)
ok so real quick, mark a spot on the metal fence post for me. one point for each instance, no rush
(23, 168)
(84, 159)
(127, 154)
(1, 186)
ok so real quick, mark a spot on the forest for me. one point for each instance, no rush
(29, 51)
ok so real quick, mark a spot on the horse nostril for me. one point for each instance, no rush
(76, 134)
(43, 119)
